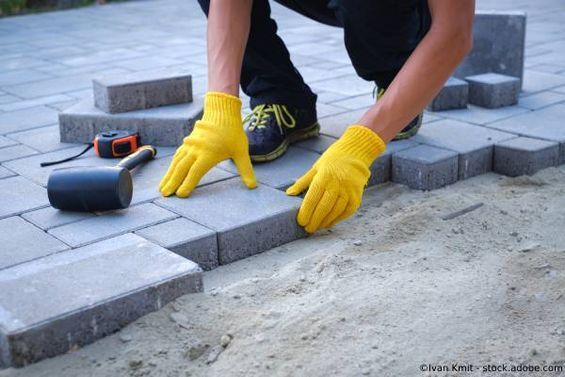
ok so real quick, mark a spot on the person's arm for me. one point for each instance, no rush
(219, 134)
(445, 45)
(228, 31)
(335, 183)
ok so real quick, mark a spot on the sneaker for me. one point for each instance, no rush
(272, 128)
(411, 129)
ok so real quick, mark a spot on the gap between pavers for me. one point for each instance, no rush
(119, 280)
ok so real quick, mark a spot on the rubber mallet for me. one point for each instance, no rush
(96, 188)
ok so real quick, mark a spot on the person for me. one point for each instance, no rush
(408, 48)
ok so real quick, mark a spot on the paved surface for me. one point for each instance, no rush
(47, 62)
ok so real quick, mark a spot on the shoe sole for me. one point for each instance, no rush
(411, 132)
(307, 133)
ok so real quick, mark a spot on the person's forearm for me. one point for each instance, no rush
(424, 73)
(228, 30)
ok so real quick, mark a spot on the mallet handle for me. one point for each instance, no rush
(143, 154)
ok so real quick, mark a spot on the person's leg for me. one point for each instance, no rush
(380, 35)
(268, 75)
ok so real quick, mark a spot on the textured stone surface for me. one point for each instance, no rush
(119, 280)
(283, 171)
(186, 238)
(142, 90)
(146, 179)
(425, 167)
(14, 189)
(545, 124)
(14, 152)
(22, 242)
(247, 221)
(493, 90)
(44, 139)
(473, 144)
(27, 118)
(381, 169)
(49, 217)
(317, 144)
(498, 44)
(524, 156)
(453, 95)
(110, 224)
(162, 126)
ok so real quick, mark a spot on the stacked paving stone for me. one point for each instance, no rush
(158, 105)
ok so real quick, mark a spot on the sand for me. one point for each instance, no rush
(391, 289)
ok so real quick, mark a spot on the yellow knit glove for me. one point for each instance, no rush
(217, 137)
(337, 179)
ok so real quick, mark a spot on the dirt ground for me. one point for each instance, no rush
(392, 288)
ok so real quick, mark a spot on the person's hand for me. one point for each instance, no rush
(337, 179)
(217, 137)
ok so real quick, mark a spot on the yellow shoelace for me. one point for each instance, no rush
(378, 93)
(260, 114)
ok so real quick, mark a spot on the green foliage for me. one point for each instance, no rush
(11, 6)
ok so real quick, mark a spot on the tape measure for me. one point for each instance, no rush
(107, 144)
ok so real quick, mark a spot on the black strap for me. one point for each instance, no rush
(68, 158)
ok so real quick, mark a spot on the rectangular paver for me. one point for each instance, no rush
(111, 224)
(425, 167)
(20, 195)
(25, 119)
(524, 156)
(187, 239)
(498, 44)
(381, 169)
(146, 179)
(546, 124)
(473, 144)
(44, 139)
(493, 90)
(142, 90)
(92, 292)
(453, 95)
(22, 242)
(247, 221)
(49, 217)
(162, 126)
(283, 171)
(15, 151)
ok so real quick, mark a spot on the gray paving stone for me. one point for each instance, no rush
(142, 90)
(473, 144)
(540, 100)
(546, 124)
(13, 189)
(20, 76)
(498, 44)
(335, 125)
(493, 90)
(7, 98)
(6, 142)
(535, 81)
(453, 95)
(110, 224)
(381, 169)
(349, 85)
(49, 217)
(317, 144)
(58, 85)
(187, 239)
(162, 126)
(22, 242)
(146, 179)
(24, 119)
(247, 221)
(5, 173)
(479, 115)
(281, 172)
(119, 280)
(425, 167)
(524, 156)
(43, 139)
(25, 104)
(14, 152)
